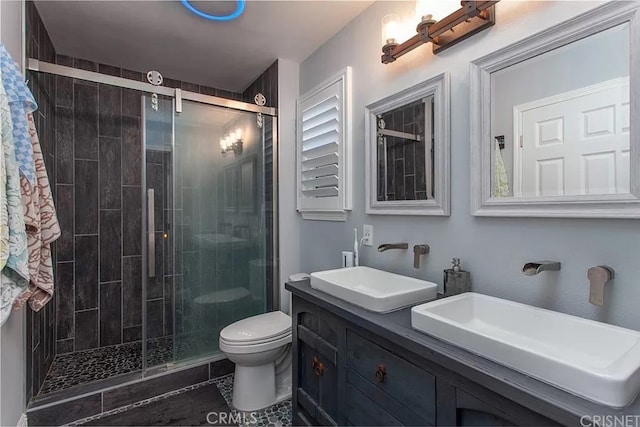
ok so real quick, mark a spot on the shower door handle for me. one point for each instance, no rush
(151, 233)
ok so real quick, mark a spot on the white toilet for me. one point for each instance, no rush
(260, 346)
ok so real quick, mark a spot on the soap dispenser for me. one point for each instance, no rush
(456, 280)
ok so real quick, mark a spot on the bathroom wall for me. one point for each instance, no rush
(493, 249)
(41, 339)
(14, 353)
(289, 227)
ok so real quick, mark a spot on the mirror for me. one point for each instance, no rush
(554, 138)
(407, 150)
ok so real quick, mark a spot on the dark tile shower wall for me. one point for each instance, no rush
(404, 172)
(102, 244)
(267, 84)
(41, 324)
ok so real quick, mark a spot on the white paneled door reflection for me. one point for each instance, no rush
(575, 143)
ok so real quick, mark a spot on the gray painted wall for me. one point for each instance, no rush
(493, 249)
(13, 355)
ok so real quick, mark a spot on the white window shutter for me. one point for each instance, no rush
(324, 150)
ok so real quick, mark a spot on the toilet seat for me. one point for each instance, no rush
(235, 348)
(255, 334)
(257, 329)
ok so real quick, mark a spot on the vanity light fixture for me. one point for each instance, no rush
(231, 142)
(471, 18)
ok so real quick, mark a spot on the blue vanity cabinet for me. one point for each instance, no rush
(388, 388)
(315, 367)
(345, 374)
(469, 404)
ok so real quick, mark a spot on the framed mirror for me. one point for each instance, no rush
(552, 133)
(407, 151)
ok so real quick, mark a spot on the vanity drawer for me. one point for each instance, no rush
(377, 368)
(362, 411)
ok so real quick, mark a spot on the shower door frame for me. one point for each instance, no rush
(178, 95)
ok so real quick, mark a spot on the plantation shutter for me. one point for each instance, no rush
(324, 150)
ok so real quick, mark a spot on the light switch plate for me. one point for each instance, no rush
(367, 235)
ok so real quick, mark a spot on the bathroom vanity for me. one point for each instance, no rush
(355, 367)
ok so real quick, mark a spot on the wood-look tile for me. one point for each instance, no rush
(131, 151)
(86, 272)
(66, 412)
(87, 331)
(64, 300)
(186, 409)
(85, 121)
(153, 387)
(110, 176)
(109, 110)
(86, 197)
(65, 209)
(110, 313)
(132, 290)
(110, 245)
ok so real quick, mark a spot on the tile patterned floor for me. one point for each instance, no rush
(178, 408)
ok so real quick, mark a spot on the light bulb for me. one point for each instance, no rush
(435, 9)
(390, 29)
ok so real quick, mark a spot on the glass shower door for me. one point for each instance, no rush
(221, 225)
(210, 233)
(158, 293)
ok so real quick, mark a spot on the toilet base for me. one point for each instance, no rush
(254, 387)
(258, 387)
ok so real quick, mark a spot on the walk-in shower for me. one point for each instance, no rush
(169, 210)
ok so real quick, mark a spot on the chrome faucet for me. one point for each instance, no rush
(417, 251)
(533, 268)
(386, 246)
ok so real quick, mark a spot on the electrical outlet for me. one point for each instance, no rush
(367, 235)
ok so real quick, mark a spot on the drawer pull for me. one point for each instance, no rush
(317, 366)
(381, 373)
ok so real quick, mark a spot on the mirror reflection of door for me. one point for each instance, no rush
(405, 141)
(575, 143)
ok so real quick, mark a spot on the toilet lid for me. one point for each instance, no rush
(257, 328)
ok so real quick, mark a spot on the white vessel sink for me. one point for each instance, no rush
(594, 360)
(373, 289)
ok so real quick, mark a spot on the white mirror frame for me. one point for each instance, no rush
(438, 87)
(597, 206)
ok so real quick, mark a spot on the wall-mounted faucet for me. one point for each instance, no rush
(386, 246)
(533, 268)
(598, 277)
(417, 251)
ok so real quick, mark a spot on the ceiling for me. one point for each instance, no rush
(163, 35)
